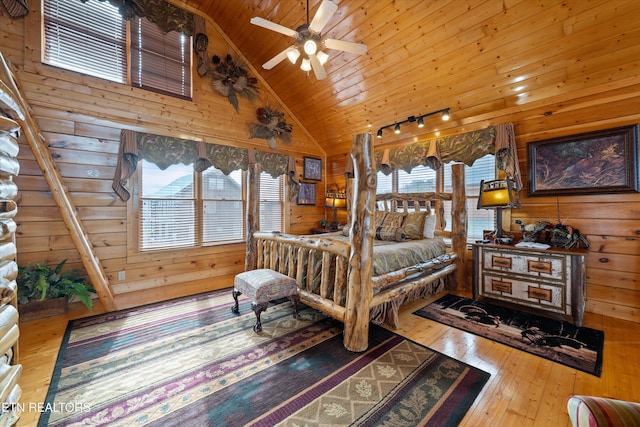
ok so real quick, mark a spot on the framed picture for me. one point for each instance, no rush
(604, 161)
(307, 193)
(312, 168)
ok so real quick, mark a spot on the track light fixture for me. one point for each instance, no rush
(411, 119)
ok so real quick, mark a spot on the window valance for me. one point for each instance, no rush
(464, 148)
(165, 151)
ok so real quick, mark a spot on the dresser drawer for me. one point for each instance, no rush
(555, 297)
(548, 266)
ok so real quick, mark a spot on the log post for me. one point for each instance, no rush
(43, 157)
(252, 216)
(359, 289)
(459, 226)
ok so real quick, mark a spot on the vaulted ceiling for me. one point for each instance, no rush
(490, 61)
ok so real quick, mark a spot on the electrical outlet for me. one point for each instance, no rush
(121, 275)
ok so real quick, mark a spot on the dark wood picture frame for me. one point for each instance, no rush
(307, 193)
(604, 161)
(312, 168)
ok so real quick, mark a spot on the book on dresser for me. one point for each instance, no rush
(547, 281)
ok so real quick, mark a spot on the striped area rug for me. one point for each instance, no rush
(193, 362)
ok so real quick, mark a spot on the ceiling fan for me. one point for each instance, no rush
(310, 41)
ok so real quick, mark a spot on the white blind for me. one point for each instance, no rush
(88, 38)
(422, 179)
(222, 206)
(160, 62)
(167, 206)
(271, 203)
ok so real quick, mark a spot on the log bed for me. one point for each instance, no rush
(335, 276)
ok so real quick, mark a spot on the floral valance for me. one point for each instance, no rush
(164, 151)
(465, 148)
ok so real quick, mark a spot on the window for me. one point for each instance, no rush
(90, 38)
(180, 208)
(423, 179)
(478, 219)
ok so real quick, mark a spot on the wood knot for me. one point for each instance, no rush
(605, 260)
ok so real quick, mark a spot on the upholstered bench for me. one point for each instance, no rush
(264, 285)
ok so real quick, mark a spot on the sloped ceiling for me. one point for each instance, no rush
(490, 61)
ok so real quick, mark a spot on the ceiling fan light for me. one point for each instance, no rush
(322, 57)
(293, 55)
(310, 47)
(306, 65)
(445, 115)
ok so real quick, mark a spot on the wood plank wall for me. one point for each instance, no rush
(81, 118)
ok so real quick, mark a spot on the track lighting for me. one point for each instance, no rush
(411, 119)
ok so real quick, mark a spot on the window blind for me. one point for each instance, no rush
(167, 207)
(88, 38)
(271, 203)
(160, 62)
(222, 206)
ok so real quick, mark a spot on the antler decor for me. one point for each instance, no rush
(232, 79)
(271, 125)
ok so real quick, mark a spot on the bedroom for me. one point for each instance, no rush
(579, 64)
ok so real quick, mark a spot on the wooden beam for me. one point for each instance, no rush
(359, 290)
(36, 140)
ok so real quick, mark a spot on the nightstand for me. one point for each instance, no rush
(548, 282)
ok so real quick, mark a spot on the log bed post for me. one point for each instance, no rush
(359, 289)
(252, 216)
(459, 226)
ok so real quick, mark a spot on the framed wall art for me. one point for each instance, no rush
(312, 168)
(603, 161)
(307, 193)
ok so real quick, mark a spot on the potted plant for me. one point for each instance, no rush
(324, 223)
(44, 290)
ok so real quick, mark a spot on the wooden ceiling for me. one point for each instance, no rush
(489, 61)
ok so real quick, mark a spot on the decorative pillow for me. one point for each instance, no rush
(378, 218)
(394, 234)
(600, 411)
(430, 227)
(392, 219)
(413, 224)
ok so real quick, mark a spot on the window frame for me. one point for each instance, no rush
(136, 254)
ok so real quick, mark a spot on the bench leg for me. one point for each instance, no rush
(235, 309)
(258, 309)
(295, 299)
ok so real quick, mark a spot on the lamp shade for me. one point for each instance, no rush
(499, 193)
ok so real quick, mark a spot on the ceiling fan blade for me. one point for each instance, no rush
(318, 69)
(261, 22)
(322, 16)
(357, 48)
(276, 59)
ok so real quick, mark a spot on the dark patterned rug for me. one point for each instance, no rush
(557, 340)
(193, 362)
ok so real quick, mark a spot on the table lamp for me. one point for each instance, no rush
(498, 194)
(335, 200)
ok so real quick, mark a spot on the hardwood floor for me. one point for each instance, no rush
(524, 390)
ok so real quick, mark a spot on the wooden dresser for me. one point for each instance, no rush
(548, 282)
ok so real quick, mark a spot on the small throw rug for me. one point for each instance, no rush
(192, 362)
(557, 340)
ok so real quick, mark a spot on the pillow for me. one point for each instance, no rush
(394, 234)
(430, 227)
(413, 224)
(392, 219)
(378, 218)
